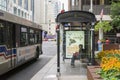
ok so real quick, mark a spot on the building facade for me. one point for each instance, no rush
(101, 8)
(42, 12)
(3, 5)
(37, 14)
(21, 8)
(96, 6)
(49, 10)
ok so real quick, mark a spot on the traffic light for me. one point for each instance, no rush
(62, 11)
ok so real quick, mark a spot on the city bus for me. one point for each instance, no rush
(20, 41)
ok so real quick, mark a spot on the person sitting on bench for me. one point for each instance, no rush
(76, 55)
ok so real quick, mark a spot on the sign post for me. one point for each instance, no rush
(58, 51)
(92, 44)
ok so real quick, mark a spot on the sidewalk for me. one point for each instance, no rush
(49, 71)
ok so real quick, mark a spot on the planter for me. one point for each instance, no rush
(97, 62)
(110, 46)
(91, 73)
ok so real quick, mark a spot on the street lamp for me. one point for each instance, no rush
(92, 36)
(92, 43)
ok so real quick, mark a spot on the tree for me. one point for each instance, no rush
(115, 14)
(105, 25)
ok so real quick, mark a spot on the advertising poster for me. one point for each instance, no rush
(73, 39)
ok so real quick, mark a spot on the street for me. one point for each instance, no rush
(28, 70)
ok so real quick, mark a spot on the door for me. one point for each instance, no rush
(10, 42)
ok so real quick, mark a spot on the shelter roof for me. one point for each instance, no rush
(76, 16)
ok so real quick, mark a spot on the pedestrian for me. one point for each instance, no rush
(76, 55)
(107, 41)
(99, 45)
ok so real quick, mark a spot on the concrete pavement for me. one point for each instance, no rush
(49, 71)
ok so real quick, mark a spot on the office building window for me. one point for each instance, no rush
(73, 1)
(28, 16)
(14, 1)
(87, 2)
(3, 5)
(25, 15)
(107, 2)
(32, 4)
(18, 12)
(15, 10)
(96, 2)
(20, 2)
(26, 4)
(22, 14)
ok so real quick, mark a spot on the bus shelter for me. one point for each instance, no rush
(74, 28)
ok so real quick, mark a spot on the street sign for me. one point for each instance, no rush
(118, 34)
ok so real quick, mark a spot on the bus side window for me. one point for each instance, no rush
(23, 37)
(40, 37)
(37, 37)
(31, 37)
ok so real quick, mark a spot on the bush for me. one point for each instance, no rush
(110, 64)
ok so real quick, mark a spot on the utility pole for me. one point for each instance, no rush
(91, 5)
(58, 50)
(100, 29)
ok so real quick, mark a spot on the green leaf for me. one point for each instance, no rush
(115, 14)
(105, 25)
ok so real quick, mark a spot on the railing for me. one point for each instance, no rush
(96, 9)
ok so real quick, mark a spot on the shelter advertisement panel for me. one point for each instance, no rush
(73, 39)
